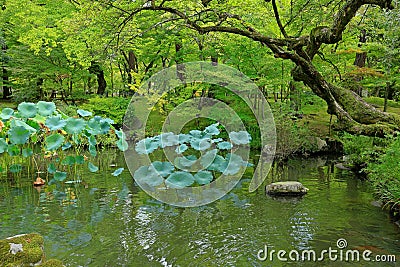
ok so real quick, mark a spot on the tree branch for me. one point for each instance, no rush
(278, 19)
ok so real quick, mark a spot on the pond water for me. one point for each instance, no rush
(109, 221)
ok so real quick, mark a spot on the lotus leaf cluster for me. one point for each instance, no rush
(188, 169)
(43, 125)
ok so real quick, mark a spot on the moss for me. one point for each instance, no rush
(52, 263)
(32, 245)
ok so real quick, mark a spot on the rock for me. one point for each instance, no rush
(24, 250)
(21, 250)
(288, 188)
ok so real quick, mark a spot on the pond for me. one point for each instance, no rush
(109, 221)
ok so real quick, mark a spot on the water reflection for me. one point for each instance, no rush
(113, 223)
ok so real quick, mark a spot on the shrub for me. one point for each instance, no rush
(113, 108)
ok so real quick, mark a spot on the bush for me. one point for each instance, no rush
(385, 175)
(113, 108)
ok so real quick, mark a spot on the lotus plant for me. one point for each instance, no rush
(181, 173)
(42, 125)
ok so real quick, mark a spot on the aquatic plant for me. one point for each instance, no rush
(217, 157)
(42, 134)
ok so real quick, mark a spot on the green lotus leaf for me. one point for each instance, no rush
(60, 176)
(27, 152)
(98, 125)
(6, 113)
(224, 145)
(201, 144)
(46, 108)
(196, 134)
(55, 123)
(217, 140)
(18, 135)
(13, 150)
(240, 138)
(74, 126)
(92, 140)
(203, 177)
(212, 129)
(122, 145)
(120, 134)
(79, 159)
(184, 138)
(117, 172)
(14, 168)
(147, 145)
(3, 145)
(235, 162)
(169, 139)
(84, 113)
(219, 164)
(163, 168)
(179, 180)
(69, 160)
(92, 167)
(51, 168)
(66, 146)
(148, 175)
(54, 141)
(180, 149)
(34, 124)
(184, 163)
(19, 123)
(92, 150)
(27, 110)
(208, 158)
(76, 138)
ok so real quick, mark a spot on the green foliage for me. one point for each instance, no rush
(384, 174)
(361, 150)
(113, 108)
(41, 132)
(181, 174)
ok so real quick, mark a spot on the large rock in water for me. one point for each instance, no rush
(288, 188)
(24, 250)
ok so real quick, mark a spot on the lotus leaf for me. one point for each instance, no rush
(60, 176)
(200, 144)
(122, 145)
(18, 135)
(66, 146)
(79, 159)
(84, 113)
(185, 163)
(148, 175)
(27, 110)
(184, 138)
(92, 150)
(179, 180)
(6, 113)
(13, 150)
(147, 146)
(169, 139)
(27, 152)
(208, 158)
(14, 168)
(92, 167)
(203, 177)
(117, 172)
(212, 129)
(180, 149)
(224, 145)
(55, 123)
(51, 168)
(234, 165)
(3, 145)
(219, 164)
(46, 108)
(54, 141)
(69, 160)
(19, 123)
(74, 126)
(163, 168)
(240, 138)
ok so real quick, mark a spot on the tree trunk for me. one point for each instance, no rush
(6, 88)
(360, 62)
(180, 69)
(96, 69)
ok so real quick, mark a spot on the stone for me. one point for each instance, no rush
(24, 250)
(288, 188)
(21, 250)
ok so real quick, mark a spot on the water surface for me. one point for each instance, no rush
(111, 222)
